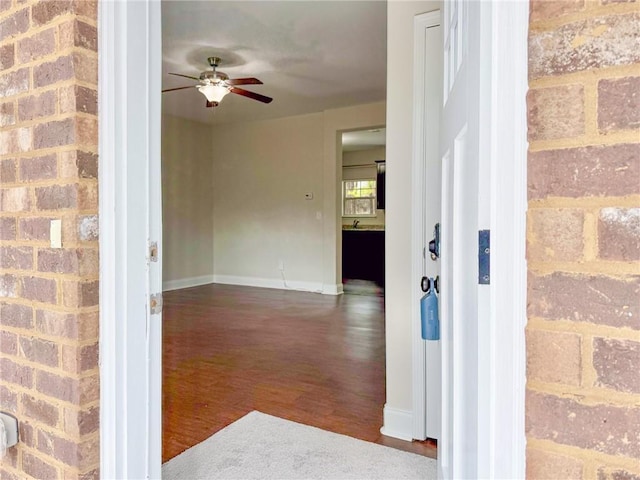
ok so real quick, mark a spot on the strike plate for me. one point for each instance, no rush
(156, 303)
(484, 257)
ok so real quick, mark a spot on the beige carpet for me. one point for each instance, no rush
(259, 446)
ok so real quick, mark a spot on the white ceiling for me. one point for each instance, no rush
(311, 55)
(363, 139)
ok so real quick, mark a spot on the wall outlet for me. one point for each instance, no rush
(281, 265)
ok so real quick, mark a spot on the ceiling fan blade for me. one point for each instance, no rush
(185, 76)
(179, 88)
(255, 96)
(244, 81)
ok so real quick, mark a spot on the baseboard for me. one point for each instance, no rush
(336, 289)
(187, 282)
(279, 284)
(397, 423)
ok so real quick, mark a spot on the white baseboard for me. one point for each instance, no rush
(397, 423)
(315, 287)
(187, 282)
(336, 289)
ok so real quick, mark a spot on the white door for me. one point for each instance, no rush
(462, 300)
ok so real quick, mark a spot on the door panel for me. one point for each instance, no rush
(460, 153)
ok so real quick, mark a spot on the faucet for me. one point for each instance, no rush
(355, 223)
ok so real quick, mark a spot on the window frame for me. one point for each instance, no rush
(373, 198)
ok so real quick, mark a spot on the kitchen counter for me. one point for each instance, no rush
(363, 228)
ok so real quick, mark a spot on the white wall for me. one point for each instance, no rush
(363, 157)
(262, 171)
(400, 17)
(187, 203)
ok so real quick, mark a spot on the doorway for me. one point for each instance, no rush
(363, 211)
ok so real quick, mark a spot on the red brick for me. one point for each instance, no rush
(80, 294)
(616, 474)
(90, 388)
(37, 106)
(39, 351)
(14, 83)
(16, 140)
(8, 343)
(15, 373)
(39, 289)
(38, 168)
(57, 197)
(619, 103)
(8, 286)
(55, 133)
(88, 228)
(15, 199)
(62, 388)
(7, 114)
(88, 326)
(619, 234)
(89, 357)
(36, 46)
(616, 363)
(545, 466)
(57, 260)
(607, 429)
(7, 172)
(7, 56)
(87, 132)
(574, 47)
(39, 410)
(59, 448)
(555, 112)
(88, 262)
(26, 435)
(37, 228)
(550, 9)
(86, 68)
(8, 400)
(58, 70)
(15, 24)
(88, 196)
(18, 316)
(57, 324)
(555, 234)
(44, 12)
(5, 5)
(87, 164)
(585, 172)
(602, 300)
(86, 36)
(31, 464)
(20, 258)
(7, 228)
(82, 422)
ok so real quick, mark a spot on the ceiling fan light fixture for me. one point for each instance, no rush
(214, 93)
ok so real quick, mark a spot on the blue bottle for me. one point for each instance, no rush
(429, 314)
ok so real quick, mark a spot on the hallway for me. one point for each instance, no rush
(313, 359)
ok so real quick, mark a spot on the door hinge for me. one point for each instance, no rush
(484, 257)
(153, 251)
(155, 303)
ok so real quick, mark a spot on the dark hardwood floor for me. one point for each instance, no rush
(310, 358)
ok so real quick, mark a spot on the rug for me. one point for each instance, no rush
(260, 446)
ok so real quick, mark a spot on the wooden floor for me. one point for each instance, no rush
(310, 358)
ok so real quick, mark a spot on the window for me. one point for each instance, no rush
(359, 198)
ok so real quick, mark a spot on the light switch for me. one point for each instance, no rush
(55, 233)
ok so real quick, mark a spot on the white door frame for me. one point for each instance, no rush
(128, 421)
(129, 182)
(426, 371)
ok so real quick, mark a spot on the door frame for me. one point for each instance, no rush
(502, 369)
(129, 74)
(423, 376)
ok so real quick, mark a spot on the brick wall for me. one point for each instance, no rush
(583, 334)
(49, 297)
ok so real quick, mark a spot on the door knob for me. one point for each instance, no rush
(434, 245)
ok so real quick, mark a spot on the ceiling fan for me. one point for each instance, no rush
(215, 84)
